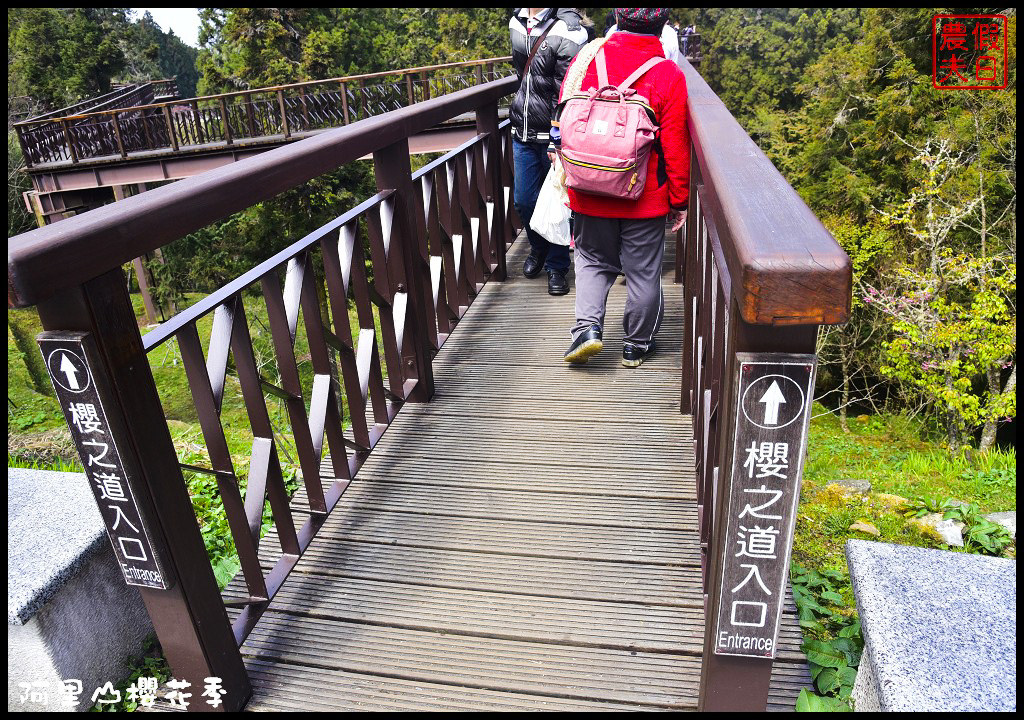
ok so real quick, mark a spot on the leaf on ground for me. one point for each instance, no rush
(823, 653)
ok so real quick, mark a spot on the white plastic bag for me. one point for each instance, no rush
(551, 214)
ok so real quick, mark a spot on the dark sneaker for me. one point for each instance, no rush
(533, 265)
(557, 284)
(587, 343)
(634, 355)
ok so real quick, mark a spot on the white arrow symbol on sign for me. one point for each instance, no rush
(772, 399)
(68, 368)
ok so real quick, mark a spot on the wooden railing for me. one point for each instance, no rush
(760, 274)
(259, 115)
(85, 127)
(432, 238)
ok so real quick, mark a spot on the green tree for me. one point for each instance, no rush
(953, 312)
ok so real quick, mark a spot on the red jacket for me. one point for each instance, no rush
(664, 86)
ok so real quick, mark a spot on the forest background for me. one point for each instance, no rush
(917, 184)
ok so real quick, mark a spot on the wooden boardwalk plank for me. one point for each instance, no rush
(281, 687)
(509, 616)
(511, 537)
(534, 668)
(492, 572)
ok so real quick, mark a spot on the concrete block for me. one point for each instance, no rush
(70, 614)
(940, 629)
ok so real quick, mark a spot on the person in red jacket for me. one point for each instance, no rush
(616, 235)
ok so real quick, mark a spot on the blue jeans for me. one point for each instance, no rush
(532, 166)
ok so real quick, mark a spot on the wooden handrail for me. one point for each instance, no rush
(272, 88)
(786, 268)
(48, 260)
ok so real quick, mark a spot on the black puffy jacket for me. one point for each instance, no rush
(534, 103)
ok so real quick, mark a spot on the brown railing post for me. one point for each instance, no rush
(426, 85)
(70, 142)
(393, 171)
(731, 683)
(170, 128)
(117, 135)
(24, 152)
(344, 102)
(224, 120)
(189, 616)
(487, 123)
(284, 114)
(409, 89)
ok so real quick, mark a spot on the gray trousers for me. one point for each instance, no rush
(604, 248)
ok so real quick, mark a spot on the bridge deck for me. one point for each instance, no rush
(527, 540)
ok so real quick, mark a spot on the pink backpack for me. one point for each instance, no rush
(607, 136)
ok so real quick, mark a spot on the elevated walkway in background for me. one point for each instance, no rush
(527, 540)
(86, 155)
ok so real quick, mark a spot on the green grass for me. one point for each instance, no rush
(889, 453)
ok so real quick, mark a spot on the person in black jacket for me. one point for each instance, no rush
(532, 110)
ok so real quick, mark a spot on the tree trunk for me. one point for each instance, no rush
(845, 399)
(988, 433)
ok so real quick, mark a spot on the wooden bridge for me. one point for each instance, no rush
(83, 156)
(484, 527)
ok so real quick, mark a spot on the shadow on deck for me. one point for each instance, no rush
(527, 540)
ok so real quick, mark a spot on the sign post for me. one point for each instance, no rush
(773, 394)
(69, 358)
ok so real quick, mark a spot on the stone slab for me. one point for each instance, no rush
(70, 615)
(853, 486)
(951, 532)
(940, 628)
(53, 524)
(1007, 519)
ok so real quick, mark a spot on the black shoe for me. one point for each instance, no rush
(533, 265)
(557, 284)
(633, 356)
(587, 343)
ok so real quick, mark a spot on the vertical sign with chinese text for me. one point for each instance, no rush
(69, 358)
(773, 403)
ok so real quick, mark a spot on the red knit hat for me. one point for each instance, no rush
(648, 21)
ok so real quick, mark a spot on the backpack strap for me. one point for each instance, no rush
(602, 70)
(639, 72)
